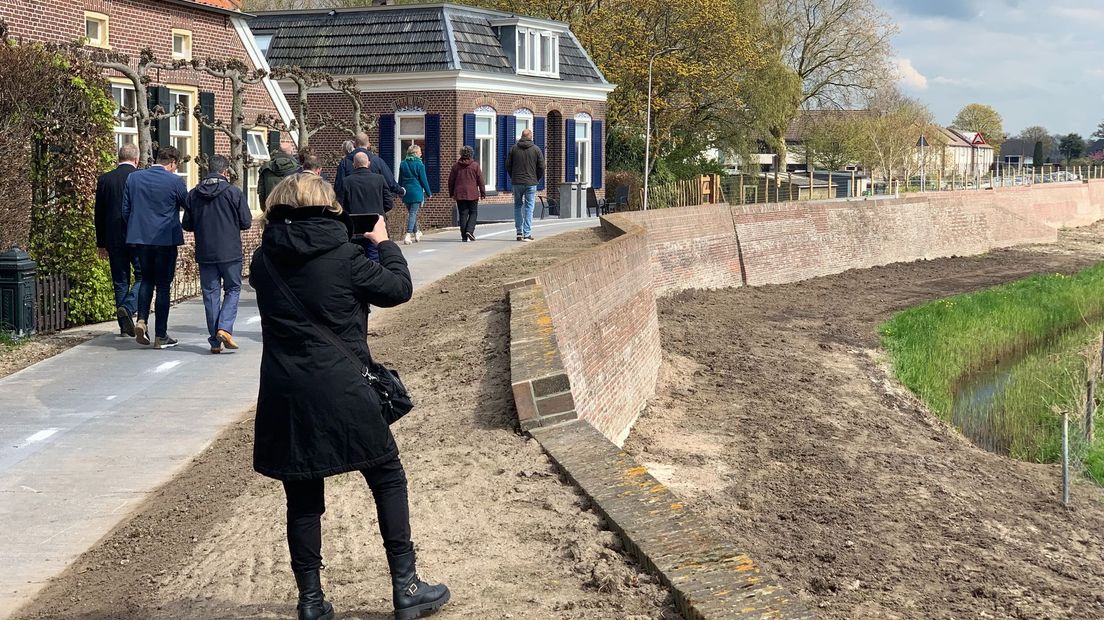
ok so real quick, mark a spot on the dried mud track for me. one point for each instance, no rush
(783, 428)
(490, 515)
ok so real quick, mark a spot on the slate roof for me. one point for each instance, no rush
(403, 39)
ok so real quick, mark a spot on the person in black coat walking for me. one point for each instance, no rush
(111, 230)
(365, 192)
(316, 414)
(217, 212)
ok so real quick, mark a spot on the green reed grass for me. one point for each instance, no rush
(935, 346)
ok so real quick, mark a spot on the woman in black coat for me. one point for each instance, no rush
(316, 414)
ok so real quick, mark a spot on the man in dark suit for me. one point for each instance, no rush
(152, 201)
(111, 233)
(365, 192)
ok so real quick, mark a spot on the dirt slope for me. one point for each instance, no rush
(491, 517)
(783, 429)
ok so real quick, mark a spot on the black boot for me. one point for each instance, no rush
(312, 603)
(413, 597)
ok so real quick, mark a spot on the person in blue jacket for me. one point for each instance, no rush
(152, 200)
(412, 178)
(345, 168)
(217, 212)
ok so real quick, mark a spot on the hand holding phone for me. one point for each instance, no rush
(378, 233)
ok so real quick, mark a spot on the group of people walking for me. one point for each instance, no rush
(139, 230)
(318, 414)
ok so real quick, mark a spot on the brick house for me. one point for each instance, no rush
(172, 29)
(442, 76)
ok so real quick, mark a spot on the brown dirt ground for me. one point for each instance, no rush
(784, 429)
(16, 357)
(491, 516)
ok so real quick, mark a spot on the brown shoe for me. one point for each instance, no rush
(226, 339)
(217, 349)
(140, 335)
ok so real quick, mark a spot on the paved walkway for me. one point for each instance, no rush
(87, 434)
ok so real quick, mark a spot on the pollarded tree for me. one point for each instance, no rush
(240, 77)
(138, 74)
(306, 122)
(359, 121)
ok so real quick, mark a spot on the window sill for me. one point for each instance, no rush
(100, 46)
(554, 76)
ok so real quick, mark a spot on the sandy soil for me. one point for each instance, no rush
(16, 357)
(784, 429)
(491, 516)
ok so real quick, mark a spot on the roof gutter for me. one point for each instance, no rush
(208, 8)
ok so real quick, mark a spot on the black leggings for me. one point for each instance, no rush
(306, 502)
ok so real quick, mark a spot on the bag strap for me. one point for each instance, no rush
(326, 333)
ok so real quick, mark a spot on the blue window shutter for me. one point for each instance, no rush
(503, 142)
(273, 141)
(596, 148)
(511, 131)
(469, 134)
(569, 150)
(538, 138)
(386, 147)
(207, 134)
(159, 129)
(433, 151)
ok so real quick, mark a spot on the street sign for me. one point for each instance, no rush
(922, 142)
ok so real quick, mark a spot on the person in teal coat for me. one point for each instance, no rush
(412, 176)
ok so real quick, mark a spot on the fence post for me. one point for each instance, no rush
(1090, 409)
(1065, 457)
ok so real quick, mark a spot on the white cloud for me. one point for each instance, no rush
(909, 76)
(940, 79)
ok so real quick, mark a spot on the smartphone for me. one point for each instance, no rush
(363, 223)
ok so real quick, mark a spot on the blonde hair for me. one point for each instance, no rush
(414, 149)
(302, 190)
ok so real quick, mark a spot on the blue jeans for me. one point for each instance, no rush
(524, 198)
(220, 314)
(412, 217)
(158, 267)
(122, 261)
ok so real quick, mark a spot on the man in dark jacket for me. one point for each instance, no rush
(152, 202)
(279, 167)
(365, 192)
(525, 165)
(345, 168)
(217, 212)
(111, 233)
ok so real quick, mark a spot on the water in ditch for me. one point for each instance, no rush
(977, 413)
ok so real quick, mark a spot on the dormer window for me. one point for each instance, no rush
(538, 52)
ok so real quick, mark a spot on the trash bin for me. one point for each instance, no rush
(17, 292)
(570, 203)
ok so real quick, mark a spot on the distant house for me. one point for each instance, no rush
(966, 153)
(173, 29)
(442, 76)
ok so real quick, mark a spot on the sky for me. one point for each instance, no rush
(1036, 63)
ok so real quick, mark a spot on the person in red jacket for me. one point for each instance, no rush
(466, 186)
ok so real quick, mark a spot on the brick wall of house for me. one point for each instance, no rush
(602, 303)
(451, 105)
(136, 24)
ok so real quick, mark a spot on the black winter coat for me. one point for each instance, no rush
(111, 227)
(316, 415)
(217, 212)
(365, 191)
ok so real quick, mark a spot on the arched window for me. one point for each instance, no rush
(583, 146)
(410, 128)
(486, 144)
(524, 120)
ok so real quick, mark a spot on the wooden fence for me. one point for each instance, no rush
(51, 310)
(705, 189)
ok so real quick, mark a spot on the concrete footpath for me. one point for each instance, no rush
(87, 434)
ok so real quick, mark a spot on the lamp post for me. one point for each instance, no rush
(922, 142)
(648, 121)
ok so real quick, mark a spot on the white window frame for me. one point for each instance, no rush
(524, 119)
(185, 170)
(125, 131)
(529, 52)
(186, 35)
(105, 29)
(256, 145)
(400, 150)
(490, 176)
(584, 149)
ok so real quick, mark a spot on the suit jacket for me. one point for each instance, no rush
(152, 201)
(345, 168)
(365, 192)
(111, 226)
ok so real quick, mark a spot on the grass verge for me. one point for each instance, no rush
(1047, 320)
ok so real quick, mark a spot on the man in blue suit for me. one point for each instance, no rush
(152, 201)
(111, 233)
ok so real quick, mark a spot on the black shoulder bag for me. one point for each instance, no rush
(394, 399)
